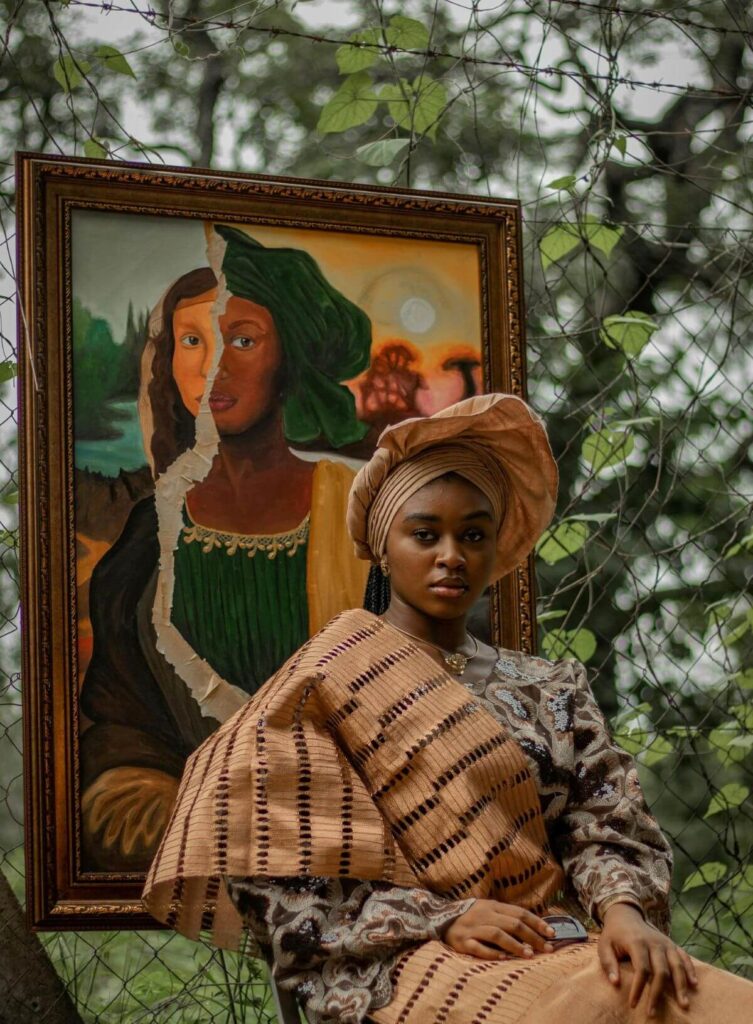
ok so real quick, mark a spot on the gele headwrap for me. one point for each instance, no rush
(496, 441)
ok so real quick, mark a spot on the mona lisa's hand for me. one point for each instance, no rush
(657, 961)
(494, 931)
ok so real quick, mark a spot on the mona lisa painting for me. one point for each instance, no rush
(209, 358)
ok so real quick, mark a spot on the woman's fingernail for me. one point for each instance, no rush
(550, 930)
(527, 951)
(548, 947)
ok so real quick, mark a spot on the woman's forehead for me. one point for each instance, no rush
(446, 495)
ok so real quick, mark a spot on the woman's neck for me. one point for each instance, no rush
(261, 447)
(449, 634)
(255, 484)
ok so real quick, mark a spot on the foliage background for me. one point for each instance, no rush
(625, 130)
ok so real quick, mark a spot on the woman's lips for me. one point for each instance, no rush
(450, 590)
(220, 402)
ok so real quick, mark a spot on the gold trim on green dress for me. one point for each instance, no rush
(244, 616)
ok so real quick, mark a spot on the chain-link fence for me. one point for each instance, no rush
(638, 286)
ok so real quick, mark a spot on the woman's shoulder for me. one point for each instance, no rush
(348, 630)
(527, 668)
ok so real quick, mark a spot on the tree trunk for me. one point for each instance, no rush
(30, 990)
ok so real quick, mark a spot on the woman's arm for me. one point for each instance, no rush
(614, 853)
(333, 942)
(609, 844)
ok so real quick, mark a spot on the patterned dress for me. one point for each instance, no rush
(335, 943)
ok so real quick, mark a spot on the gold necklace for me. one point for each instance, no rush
(454, 660)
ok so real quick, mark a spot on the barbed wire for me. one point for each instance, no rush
(246, 24)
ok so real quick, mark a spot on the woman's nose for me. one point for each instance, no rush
(222, 370)
(450, 556)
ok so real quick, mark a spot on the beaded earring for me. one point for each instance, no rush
(384, 567)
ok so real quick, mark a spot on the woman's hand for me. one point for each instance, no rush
(656, 960)
(495, 931)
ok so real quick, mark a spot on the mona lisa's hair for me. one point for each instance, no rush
(174, 426)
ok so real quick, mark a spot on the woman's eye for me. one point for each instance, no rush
(242, 341)
(425, 535)
(190, 341)
(475, 535)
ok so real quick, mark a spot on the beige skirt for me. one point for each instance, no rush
(435, 985)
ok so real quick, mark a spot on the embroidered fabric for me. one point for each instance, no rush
(269, 544)
(333, 942)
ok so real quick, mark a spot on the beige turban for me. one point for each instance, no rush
(497, 442)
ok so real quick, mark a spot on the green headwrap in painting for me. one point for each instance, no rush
(325, 338)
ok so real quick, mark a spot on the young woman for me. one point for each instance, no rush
(400, 810)
(262, 559)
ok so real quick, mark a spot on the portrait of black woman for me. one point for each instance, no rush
(262, 559)
(414, 826)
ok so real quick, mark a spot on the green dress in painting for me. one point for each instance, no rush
(240, 601)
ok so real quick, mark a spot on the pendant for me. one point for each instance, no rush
(456, 663)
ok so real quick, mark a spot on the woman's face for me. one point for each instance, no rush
(441, 548)
(244, 389)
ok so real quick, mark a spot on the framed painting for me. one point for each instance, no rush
(207, 359)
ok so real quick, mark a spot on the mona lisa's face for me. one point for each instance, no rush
(244, 390)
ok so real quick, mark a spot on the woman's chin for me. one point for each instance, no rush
(438, 606)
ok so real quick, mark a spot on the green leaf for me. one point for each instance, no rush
(644, 708)
(744, 715)
(563, 183)
(69, 72)
(562, 238)
(707, 874)
(548, 616)
(8, 371)
(745, 542)
(630, 332)
(181, 47)
(632, 742)
(407, 33)
(742, 880)
(565, 539)
(656, 751)
(620, 144)
(569, 643)
(743, 626)
(398, 96)
(353, 104)
(743, 679)
(600, 236)
(94, 149)
(114, 60)
(11, 498)
(649, 747)
(416, 105)
(352, 58)
(731, 795)
(382, 153)
(606, 448)
(729, 744)
(558, 242)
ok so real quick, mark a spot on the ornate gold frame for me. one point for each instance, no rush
(59, 895)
